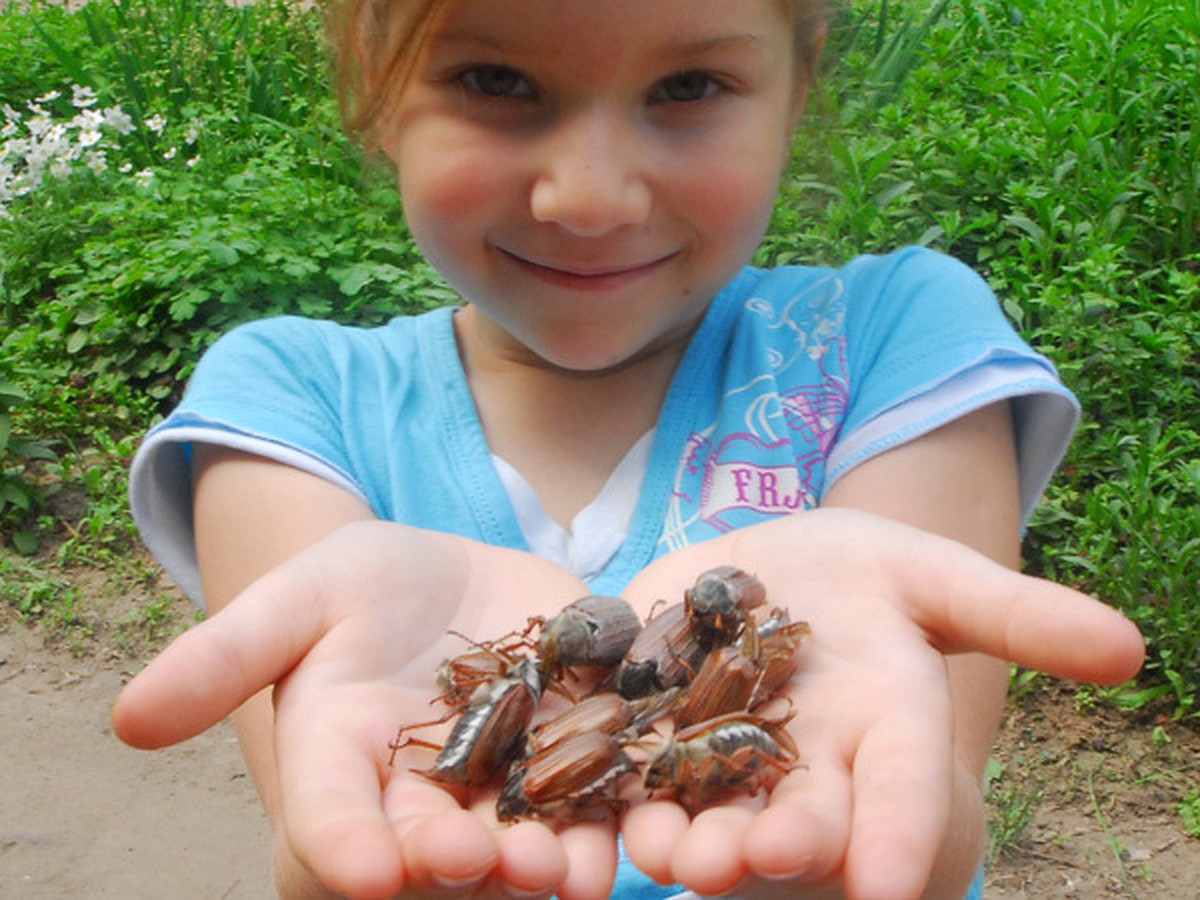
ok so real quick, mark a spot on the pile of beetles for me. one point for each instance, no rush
(708, 663)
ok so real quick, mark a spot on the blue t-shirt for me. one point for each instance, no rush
(795, 376)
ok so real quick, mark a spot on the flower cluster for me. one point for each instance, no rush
(33, 146)
(36, 146)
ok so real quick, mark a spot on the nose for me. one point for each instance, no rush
(591, 180)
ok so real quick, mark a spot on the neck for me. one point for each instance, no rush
(564, 431)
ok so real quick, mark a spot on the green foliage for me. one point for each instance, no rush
(20, 494)
(199, 178)
(1189, 812)
(1055, 150)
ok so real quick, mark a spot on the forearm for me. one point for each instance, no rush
(250, 515)
(959, 482)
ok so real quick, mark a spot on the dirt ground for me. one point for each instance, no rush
(1087, 798)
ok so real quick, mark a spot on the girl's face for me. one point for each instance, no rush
(588, 174)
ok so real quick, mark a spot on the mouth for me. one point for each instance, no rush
(595, 277)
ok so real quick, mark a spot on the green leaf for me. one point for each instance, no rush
(25, 542)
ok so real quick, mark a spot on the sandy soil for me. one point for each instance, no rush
(82, 815)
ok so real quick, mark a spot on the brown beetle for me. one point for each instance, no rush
(736, 752)
(775, 648)
(718, 601)
(592, 631)
(724, 684)
(602, 713)
(488, 734)
(458, 678)
(665, 653)
(569, 779)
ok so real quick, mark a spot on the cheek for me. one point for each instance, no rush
(732, 202)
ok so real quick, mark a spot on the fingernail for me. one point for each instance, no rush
(458, 884)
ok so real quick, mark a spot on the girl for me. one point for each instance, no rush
(618, 403)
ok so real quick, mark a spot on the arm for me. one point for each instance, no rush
(325, 627)
(959, 482)
(893, 718)
(250, 515)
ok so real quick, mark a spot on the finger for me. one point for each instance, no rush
(708, 858)
(652, 831)
(969, 603)
(591, 849)
(533, 860)
(334, 808)
(212, 669)
(802, 835)
(903, 779)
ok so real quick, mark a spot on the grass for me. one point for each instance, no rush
(200, 178)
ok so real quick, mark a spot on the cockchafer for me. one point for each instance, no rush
(724, 684)
(738, 752)
(605, 712)
(592, 631)
(745, 675)
(666, 653)
(718, 601)
(575, 778)
(774, 644)
(489, 733)
(460, 677)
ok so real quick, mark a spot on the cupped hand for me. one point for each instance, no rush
(879, 788)
(351, 631)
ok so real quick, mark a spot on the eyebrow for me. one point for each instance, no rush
(695, 47)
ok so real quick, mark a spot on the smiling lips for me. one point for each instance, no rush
(583, 277)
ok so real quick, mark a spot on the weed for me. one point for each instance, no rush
(1189, 812)
(1010, 810)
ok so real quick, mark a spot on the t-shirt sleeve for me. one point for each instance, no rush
(929, 343)
(258, 389)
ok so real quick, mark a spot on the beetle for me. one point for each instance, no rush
(488, 734)
(458, 678)
(774, 644)
(576, 775)
(592, 631)
(734, 752)
(718, 601)
(604, 712)
(725, 683)
(666, 653)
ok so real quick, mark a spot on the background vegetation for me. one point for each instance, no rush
(171, 167)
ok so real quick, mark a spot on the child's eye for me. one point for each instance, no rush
(686, 87)
(496, 81)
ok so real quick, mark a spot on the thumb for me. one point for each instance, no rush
(966, 602)
(210, 670)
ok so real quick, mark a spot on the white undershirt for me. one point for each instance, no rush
(597, 531)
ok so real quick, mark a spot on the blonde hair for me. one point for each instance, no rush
(375, 45)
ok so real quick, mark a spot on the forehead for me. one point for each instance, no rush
(598, 36)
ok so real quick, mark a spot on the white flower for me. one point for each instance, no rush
(144, 177)
(89, 137)
(117, 119)
(191, 163)
(125, 168)
(82, 96)
(48, 97)
(156, 123)
(193, 133)
(96, 161)
(170, 154)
